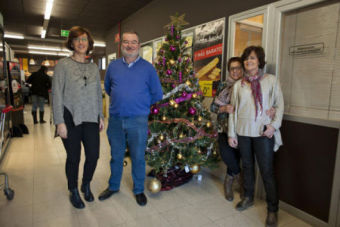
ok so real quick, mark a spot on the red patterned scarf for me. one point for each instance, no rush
(255, 89)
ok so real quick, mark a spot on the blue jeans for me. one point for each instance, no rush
(38, 101)
(134, 132)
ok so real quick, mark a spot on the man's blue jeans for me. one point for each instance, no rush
(38, 101)
(134, 132)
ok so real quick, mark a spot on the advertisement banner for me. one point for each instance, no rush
(208, 50)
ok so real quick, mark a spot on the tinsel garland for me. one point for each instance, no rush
(200, 133)
(181, 99)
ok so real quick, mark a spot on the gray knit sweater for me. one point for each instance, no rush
(76, 86)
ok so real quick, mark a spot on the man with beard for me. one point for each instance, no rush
(133, 86)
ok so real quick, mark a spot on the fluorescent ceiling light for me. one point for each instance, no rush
(42, 52)
(99, 44)
(48, 9)
(55, 53)
(64, 54)
(14, 36)
(44, 48)
(43, 33)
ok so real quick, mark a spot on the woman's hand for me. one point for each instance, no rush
(269, 131)
(271, 113)
(62, 130)
(232, 142)
(101, 125)
(226, 109)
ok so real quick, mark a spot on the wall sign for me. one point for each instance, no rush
(314, 48)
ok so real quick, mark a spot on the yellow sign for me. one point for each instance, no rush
(189, 40)
(206, 87)
(25, 64)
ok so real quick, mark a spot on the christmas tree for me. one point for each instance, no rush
(182, 137)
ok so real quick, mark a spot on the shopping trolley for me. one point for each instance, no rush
(9, 193)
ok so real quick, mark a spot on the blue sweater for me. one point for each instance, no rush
(132, 89)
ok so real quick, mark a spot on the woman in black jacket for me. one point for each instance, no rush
(41, 83)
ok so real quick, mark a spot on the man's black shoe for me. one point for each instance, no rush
(141, 199)
(244, 203)
(106, 194)
(85, 188)
(75, 199)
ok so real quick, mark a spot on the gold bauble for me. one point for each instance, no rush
(194, 169)
(176, 105)
(179, 156)
(161, 137)
(181, 135)
(164, 118)
(199, 118)
(154, 185)
(199, 151)
(208, 124)
(172, 61)
(214, 153)
(188, 83)
(172, 102)
(194, 95)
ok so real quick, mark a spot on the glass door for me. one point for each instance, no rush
(248, 32)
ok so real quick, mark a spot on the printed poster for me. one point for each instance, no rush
(208, 51)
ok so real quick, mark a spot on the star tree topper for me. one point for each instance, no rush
(177, 21)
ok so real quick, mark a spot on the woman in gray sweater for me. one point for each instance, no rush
(78, 111)
(253, 131)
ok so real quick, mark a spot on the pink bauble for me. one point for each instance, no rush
(192, 110)
(155, 110)
(169, 72)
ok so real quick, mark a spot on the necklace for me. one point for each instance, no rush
(82, 69)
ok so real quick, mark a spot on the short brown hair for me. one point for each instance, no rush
(258, 50)
(78, 31)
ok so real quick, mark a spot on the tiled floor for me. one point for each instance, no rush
(35, 164)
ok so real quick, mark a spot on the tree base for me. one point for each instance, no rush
(173, 178)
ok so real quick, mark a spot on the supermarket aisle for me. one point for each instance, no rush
(35, 164)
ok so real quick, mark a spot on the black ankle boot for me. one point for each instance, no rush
(244, 203)
(75, 199)
(85, 188)
(34, 115)
(42, 117)
(228, 187)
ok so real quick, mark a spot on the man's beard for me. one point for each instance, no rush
(129, 55)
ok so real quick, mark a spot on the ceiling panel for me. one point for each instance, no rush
(99, 16)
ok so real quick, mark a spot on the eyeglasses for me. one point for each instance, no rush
(85, 80)
(235, 69)
(83, 39)
(126, 42)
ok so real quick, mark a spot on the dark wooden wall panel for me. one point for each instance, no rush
(305, 165)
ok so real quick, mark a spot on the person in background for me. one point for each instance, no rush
(78, 111)
(253, 131)
(40, 84)
(133, 86)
